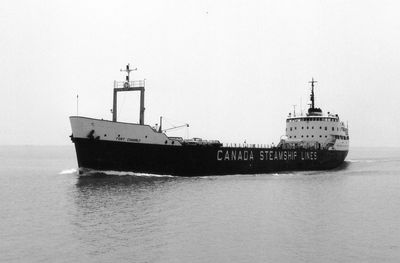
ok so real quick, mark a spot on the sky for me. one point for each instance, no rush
(230, 69)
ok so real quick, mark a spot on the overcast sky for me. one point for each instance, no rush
(231, 69)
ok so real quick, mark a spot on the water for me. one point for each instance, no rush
(50, 214)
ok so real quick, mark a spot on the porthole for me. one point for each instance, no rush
(320, 136)
(105, 135)
(312, 136)
(145, 136)
(302, 127)
(312, 127)
(307, 136)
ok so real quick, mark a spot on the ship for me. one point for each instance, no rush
(312, 141)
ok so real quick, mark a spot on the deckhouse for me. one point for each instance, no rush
(316, 129)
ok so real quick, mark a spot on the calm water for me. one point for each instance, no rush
(50, 214)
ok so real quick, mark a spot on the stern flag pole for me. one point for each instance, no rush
(77, 104)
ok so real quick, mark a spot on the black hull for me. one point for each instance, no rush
(197, 160)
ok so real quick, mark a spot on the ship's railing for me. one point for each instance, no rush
(285, 146)
(247, 145)
(132, 84)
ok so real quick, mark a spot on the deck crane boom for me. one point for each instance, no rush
(176, 127)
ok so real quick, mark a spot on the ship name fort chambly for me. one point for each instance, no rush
(248, 155)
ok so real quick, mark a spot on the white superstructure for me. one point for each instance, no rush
(317, 129)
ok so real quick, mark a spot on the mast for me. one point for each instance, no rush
(128, 85)
(312, 92)
(128, 71)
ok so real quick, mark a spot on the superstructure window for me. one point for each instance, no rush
(320, 127)
(333, 128)
(326, 128)
(290, 128)
(312, 127)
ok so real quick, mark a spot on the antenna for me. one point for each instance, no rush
(294, 110)
(312, 92)
(301, 106)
